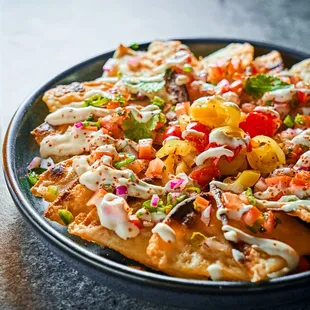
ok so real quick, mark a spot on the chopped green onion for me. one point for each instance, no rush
(90, 118)
(88, 123)
(268, 103)
(289, 121)
(250, 196)
(130, 158)
(134, 46)
(179, 199)
(66, 216)
(197, 239)
(187, 68)
(53, 189)
(119, 75)
(158, 102)
(108, 187)
(33, 175)
(96, 101)
(299, 119)
(194, 189)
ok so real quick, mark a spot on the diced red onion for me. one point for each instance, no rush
(121, 190)
(303, 168)
(176, 183)
(154, 201)
(35, 163)
(78, 125)
(206, 215)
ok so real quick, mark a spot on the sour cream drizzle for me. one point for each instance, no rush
(280, 95)
(104, 174)
(303, 138)
(215, 152)
(145, 114)
(165, 232)
(113, 214)
(271, 247)
(219, 136)
(70, 115)
(267, 110)
(303, 161)
(74, 141)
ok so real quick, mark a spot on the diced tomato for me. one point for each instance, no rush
(158, 137)
(137, 166)
(112, 105)
(99, 194)
(279, 180)
(110, 124)
(182, 108)
(232, 201)
(200, 141)
(104, 130)
(259, 123)
(135, 220)
(155, 169)
(303, 97)
(145, 149)
(203, 175)
(91, 128)
(251, 216)
(201, 203)
(303, 175)
(303, 265)
(269, 222)
(173, 131)
(298, 182)
(223, 85)
(236, 86)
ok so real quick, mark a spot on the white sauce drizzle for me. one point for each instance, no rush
(215, 271)
(181, 79)
(303, 138)
(236, 214)
(267, 110)
(303, 161)
(283, 171)
(70, 115)
(271, 247)
(218, 136)
(232, 187)
(145, 114)
(80, 164)
(74, 141)
(280, 95)
(191, 132)
(237, 255)
(284, 204)
(215, 152)
(270, 192)
(113, 214)
(104, 174)
(165, 232)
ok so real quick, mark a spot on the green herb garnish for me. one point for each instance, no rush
(66, 216)
(124, 162)
(300, 119)
(289, 121)
(134, 46)
(136, 131)
(257, 85)
(250, 196)
(34, 175)
(158, 102)
(93, 124)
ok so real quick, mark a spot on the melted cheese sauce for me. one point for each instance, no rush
(271, 247)
(165, 232)
(113, 214)
(145, 114)
(70, 115)
(106, 175)
(215, 152)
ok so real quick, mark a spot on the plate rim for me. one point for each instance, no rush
(106, 265)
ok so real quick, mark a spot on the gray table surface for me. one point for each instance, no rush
(41, 38)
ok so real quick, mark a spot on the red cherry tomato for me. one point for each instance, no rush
(200, 141)
(203, 175)
(303, 97)
(259, 123)
(173, 131)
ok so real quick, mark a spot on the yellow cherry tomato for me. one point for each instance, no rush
(266, 155)
(234, 166)
(177, 147)
(215, 111)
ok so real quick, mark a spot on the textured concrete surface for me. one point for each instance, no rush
(41, 38)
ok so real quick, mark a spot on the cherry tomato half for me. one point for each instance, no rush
(203, 175)
(259, 123)
(200, 141)
(173, 131)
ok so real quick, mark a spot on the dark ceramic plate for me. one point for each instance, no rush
(105, 265)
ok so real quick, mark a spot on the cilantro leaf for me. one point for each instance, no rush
(147, 87)
(257, 85)
(136, 131)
